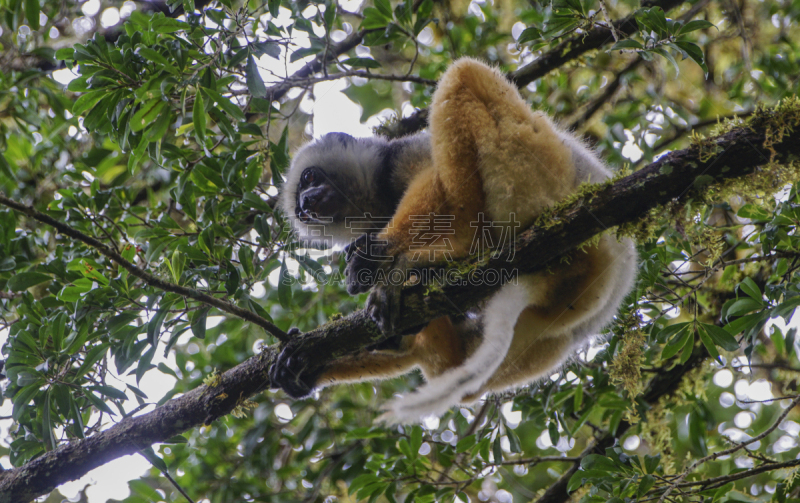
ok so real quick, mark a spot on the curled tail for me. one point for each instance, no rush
(448, 389)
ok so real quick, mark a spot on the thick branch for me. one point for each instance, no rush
(674, 177)
(150, 279)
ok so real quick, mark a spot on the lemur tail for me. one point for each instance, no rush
(448, 389)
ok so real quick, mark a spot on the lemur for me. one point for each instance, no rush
(486, 158)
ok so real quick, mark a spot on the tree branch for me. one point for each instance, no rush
(663, 384)
(277, 91)
(675, 177)
(610, 90)
(678, 481)
(562, 53)
(150, 279)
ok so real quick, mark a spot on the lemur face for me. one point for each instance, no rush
(321, 197)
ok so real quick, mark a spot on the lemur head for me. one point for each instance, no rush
(332, 180)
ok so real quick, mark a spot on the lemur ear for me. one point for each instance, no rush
(344, 138)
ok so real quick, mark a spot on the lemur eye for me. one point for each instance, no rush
(309, 176)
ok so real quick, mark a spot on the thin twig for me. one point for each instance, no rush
(678, 482)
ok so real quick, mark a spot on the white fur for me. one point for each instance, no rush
(442, 392)
(331, 155)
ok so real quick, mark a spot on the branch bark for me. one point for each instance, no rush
(675, 177)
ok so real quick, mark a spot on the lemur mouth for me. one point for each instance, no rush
(305, 216)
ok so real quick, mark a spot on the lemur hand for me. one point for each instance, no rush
(364, 257)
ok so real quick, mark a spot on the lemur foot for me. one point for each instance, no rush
(292, 373)
(383, 306)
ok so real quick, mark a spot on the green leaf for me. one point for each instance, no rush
(147, 114)
(697, 24)
(163, 368)
(678, 342)
(144, 363)
(285, 287)
(647, 482)
(581, 421)
(688, 347)
(154, 325)
(23, 398)
(466, 443)
(271, 49)
(651, 462)
(721, 337)
(198, 319)
(110, 392)
(255, 84)
(777, 339)
(161, 125)
(177, 264)
(252, 200)
(163, 24)
(575, 481)
(32, 10)
(59, 327)
(92, 357)
(744, 306)
(749, 287)
(598, 462)
(87, 101)
(234, 281)
(362, 481)
(666, 55)
(224, 103)
(707, 342)
(65, 54)
(252, 175)
(695, 52)
(156, 57)
(360, 63)
(627, 44)
(25, 280)
(727, 488)
(373, 19)
(529, 34)
(513, 441)
(150, 455)
(497, 450)
(312, 267)
(552, 431)
(385, 8)
(199, 118)
(753, 212)
(98, 403)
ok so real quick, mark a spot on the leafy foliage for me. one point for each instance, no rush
(168, 148)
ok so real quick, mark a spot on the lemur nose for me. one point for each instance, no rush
(309, 201)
